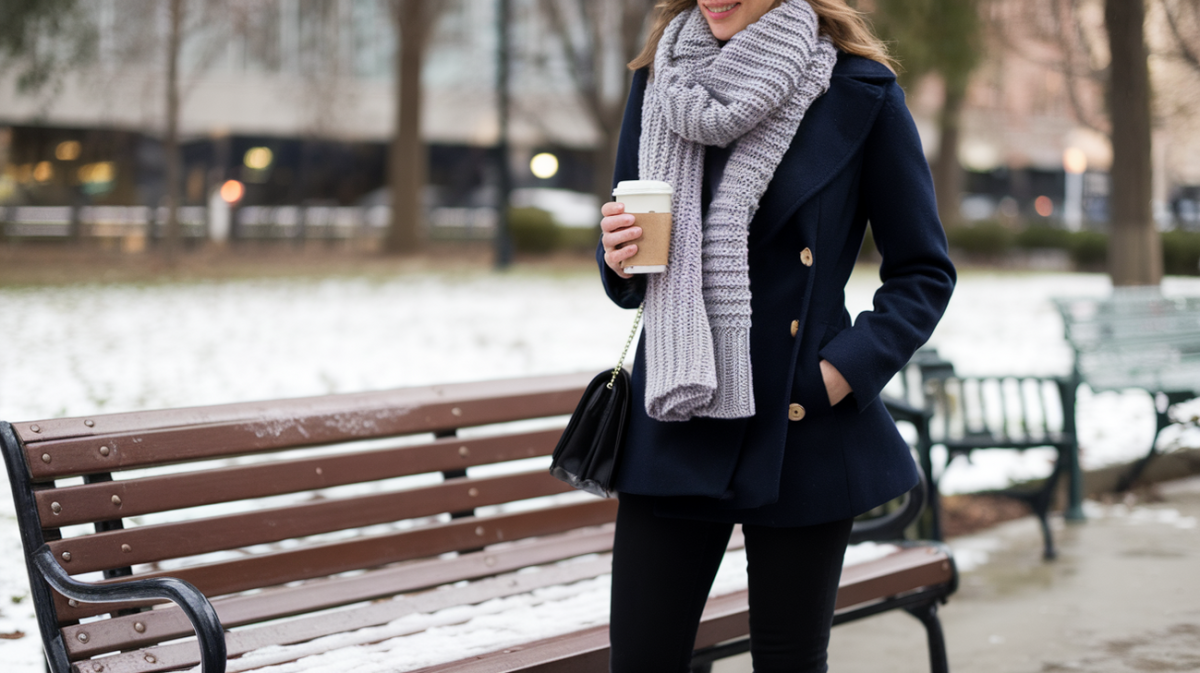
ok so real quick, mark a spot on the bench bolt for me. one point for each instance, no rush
(104, 451)
(35, 428)
(83, 637)
(66, 556)
(456, 411)
(474, 492)
(150, 659)
(55, 507)
(90, 423)
(72, 602)
(97, 667)
(463, 451)
(479, 531)
(126, 548)
(116, 500)
(46, 458)
(139, 627)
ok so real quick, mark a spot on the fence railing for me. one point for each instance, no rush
(247, 222)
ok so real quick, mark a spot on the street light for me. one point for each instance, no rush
(1074, 164)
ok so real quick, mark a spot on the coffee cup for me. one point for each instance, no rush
(649, 201)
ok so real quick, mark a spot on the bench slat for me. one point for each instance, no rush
(160, 542)
(286, 424)
(276, 568)
(724, 617)
(178, 655)
(342, 410)
(93, 502)
(120, 633)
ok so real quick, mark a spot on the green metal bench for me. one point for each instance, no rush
(977, 413)
(1137, 338)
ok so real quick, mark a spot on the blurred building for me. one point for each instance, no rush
(1038, 97)
(294, 99)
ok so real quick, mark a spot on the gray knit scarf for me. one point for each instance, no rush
(754, 92)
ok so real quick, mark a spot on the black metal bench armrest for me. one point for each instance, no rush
(199, 611)
(891, 526)
(903, 411)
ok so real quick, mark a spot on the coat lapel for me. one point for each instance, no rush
(832, 131)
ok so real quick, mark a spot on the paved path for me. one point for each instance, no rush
(1124, 596)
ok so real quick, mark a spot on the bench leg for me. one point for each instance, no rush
(927, 613)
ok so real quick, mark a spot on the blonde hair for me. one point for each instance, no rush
(846, 26)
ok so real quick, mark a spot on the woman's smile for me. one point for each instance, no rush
(727, 19)
(721, 11)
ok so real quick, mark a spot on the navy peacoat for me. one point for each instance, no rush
(856, 158)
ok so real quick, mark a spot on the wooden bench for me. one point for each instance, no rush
(1137, 338)
(978, 413)
(270, 524)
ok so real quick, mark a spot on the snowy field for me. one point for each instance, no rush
(71, 351)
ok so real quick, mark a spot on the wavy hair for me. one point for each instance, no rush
(846, 26)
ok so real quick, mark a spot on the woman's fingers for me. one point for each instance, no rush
(614, 238)
(613, 259)
(615, 222)
(618, 230)
(612, 208)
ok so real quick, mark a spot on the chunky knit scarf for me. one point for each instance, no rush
(753, 92)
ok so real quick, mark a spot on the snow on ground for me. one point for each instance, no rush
(77, 350)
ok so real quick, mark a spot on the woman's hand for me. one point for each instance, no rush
(618, 228)
(836, 385)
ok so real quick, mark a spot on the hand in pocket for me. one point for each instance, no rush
(836, 385)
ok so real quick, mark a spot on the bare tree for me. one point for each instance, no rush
(1183, 24)
(407, 157)
(597, 39)
(1134, 246)
(40, 41)
(1116, 62)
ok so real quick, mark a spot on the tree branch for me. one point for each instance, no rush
(1185, 52)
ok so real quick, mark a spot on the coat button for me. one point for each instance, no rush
(795, 327)
(795, 412)
(806, 257)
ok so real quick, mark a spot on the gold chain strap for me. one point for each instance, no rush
(637, 319)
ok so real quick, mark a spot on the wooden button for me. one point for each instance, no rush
(795, 412)
(795, 327)
(806, 257)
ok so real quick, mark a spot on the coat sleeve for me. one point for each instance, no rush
(626, 292)
(918, 278)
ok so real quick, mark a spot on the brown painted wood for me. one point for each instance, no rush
(906, 570)
(177, 655)
(178, 435)
(725, 617)
(583, 651)
(147, 544)
(120, 633)
(93, 502)
(276, 568)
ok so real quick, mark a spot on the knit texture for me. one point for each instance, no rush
(753, 92)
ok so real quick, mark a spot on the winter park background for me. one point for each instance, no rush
(84, 349)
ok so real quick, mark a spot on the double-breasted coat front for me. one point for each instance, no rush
(856, 158)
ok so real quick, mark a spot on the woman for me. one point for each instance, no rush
(783, 132)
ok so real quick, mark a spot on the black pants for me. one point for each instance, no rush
(663, 569)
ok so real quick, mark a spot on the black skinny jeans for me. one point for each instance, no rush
(663, 569)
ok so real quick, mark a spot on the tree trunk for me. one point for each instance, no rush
(406, 165)
(948, 177)
(171, 140)
(1134, 246)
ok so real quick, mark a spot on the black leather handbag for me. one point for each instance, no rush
(587, 453)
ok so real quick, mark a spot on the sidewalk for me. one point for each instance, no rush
(1124, 596)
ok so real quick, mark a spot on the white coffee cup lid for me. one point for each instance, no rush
(627, 187)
